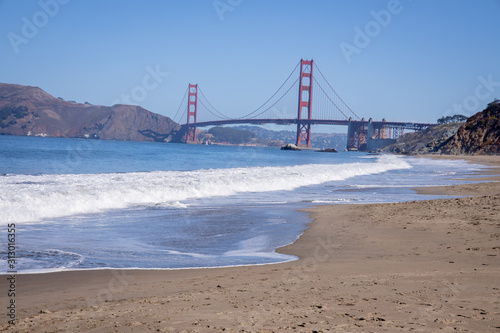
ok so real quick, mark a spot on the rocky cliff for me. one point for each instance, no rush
(26, 110)
(480, 135)
(423, 142)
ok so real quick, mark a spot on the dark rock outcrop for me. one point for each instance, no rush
(26, 110)
(290, 146)
(480, 135)
(328, 150)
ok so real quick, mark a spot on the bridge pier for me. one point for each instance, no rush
(369, 135)
(356, 135)
(380, 135)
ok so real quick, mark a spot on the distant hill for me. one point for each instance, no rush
(227, 135)
(279, 138)
(480, 135)
(26, 110)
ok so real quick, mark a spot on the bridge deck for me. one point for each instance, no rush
(412, 126)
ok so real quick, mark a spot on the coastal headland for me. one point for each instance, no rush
(419, 266)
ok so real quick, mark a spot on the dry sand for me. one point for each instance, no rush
(417, 266)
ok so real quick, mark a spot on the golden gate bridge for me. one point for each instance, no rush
(329, 109)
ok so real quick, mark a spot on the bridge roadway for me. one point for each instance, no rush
(410, 126)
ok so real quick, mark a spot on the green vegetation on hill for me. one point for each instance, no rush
(18, 112)
(13, 113)
(230, 135)
(458, 118)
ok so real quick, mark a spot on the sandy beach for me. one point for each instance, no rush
(420, 266)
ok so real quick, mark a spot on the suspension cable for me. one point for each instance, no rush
(184, 113)
(260, 107)
(293, 84)
(182, 102)
(330, 98)
(336, 93)
(213, 108)
(199, 100)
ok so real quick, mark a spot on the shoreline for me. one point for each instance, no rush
(367, 269)
(422, 190)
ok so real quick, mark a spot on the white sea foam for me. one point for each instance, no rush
(65, 260)
(259, 246)
(189, 254)
(28, 198)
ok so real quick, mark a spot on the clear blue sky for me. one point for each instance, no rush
(417, 65)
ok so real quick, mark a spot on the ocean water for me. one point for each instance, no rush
(87, 204)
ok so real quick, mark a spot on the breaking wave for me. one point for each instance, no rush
(33, 198)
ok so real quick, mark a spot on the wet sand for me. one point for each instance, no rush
(418, 266)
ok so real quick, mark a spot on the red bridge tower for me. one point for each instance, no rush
(305, 99)
(192, 113)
